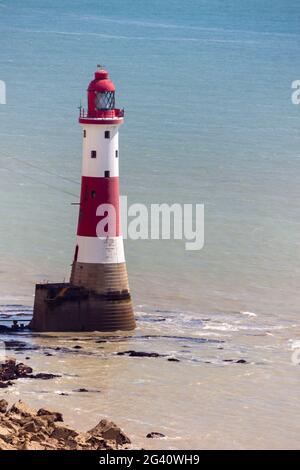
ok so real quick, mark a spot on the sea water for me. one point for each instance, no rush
(206, 87)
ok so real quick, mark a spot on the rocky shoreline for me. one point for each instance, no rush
(22, 428)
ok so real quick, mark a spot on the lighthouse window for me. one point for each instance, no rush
(117, 153)
(93, 194)
(84, 133)
(107, 134)
(105, 100)
(93, 154)
(107, 174)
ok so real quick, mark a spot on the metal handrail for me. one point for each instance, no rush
(105, 113)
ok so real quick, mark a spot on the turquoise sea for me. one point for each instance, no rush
(206, 87)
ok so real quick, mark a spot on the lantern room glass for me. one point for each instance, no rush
(105, 100)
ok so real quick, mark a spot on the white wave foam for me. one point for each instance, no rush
(249, 314)
(139, 38)
(220, 327)
(209, 334)
(153, 24)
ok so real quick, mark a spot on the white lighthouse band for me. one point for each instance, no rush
(100, 150)
(96, 250)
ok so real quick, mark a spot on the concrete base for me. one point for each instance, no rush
(65, 307)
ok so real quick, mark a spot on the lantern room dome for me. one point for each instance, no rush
(101, 82)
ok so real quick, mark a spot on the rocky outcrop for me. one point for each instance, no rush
(11, 370)
(22, 428)
(14, 327)
(109, 431)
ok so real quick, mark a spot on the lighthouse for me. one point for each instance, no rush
(97, 298)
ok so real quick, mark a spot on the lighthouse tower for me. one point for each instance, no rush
(97, 297)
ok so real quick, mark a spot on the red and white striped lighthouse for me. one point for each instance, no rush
(99, 186)
(97, 297)
(99, 262)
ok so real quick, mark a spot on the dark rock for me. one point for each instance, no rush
(173, 359)
(63, 394)
(241, 361)
(77, 347)
(17, 345)
(6, 384)
(99, 443)
(52, 416)
(20, 346)
(155, 435)
(14, 327)
(85, 390)
(3, 406)
(43, 376)
(4, 328)
(31, 427)
(62, 432)
(139, 354)
(23, 370)
(48, 354)
(11, 370)
(227, 360)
